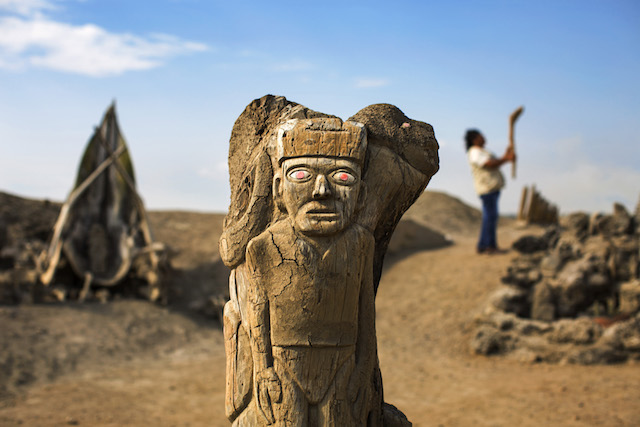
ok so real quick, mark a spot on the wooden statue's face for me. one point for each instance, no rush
(320, 193)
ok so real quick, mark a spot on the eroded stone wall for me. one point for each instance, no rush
(572, 294)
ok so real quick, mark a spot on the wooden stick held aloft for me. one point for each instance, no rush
(512, 145)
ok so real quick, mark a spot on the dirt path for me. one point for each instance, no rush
(425, 304)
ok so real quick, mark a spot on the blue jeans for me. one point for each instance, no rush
(489, 221)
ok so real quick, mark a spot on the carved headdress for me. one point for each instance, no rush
(321, 137)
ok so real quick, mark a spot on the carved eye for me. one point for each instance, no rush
(343, 177)
(299, 175)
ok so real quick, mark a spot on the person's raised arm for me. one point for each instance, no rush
(494, 162)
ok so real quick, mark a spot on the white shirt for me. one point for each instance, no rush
(485, 180)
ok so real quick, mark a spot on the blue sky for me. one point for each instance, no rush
(182, 71)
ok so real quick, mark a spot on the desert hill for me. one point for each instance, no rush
(22, 218)
(445, 213)
(130, 362)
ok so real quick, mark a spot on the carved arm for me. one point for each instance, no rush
(267, 384)
(360, 382)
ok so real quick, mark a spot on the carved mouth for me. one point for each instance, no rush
(322, 214)
(321, 211)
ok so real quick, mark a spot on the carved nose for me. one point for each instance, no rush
(321, 188)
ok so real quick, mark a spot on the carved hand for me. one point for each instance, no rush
(269, 391)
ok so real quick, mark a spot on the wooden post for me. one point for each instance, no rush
(523, 201)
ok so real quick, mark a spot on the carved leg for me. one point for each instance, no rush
(294, 408)
(335, 409)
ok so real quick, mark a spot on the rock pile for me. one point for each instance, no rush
(572, 294)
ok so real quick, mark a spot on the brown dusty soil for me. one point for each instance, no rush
(132, 363)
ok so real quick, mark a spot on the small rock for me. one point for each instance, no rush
(542, 306)
(596, 356)
(598, 281)
(488, 341)
(393, 417)
(578, 331)
(631, 343)
(551, 264)
(511, 300)
(624, 335)
(577, 223)
(530, 244)
(620, 223)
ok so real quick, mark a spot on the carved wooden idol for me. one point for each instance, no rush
(314, 203)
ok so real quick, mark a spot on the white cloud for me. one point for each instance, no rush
(26, 7)
(569, 177)
(368, 82)
(34, 40)
(592, 187)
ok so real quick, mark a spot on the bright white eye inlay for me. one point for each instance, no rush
(343, 177)
(299, 175)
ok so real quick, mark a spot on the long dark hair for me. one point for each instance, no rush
(470, 136)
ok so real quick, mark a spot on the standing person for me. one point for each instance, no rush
(487, 181)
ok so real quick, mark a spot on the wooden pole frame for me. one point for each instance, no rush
(49, 259)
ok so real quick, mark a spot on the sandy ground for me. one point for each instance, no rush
(137, 364)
